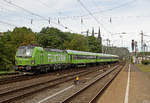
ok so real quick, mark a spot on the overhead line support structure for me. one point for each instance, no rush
(93, 16)
(35, 14)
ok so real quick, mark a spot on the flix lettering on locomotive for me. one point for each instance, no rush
(38, 59)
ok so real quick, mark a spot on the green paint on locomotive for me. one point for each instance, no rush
(55, 56)
(31, 57)
(25, 55)
(40, 56)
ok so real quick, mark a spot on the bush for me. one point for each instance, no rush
(145, 62)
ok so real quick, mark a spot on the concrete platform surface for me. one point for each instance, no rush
(130, 86)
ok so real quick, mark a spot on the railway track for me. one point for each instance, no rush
(89, 92)
(23, 77)
(10, 79)
(11, 95)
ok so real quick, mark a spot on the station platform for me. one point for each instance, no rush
(130, 86)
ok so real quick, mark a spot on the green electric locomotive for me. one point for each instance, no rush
(38, 59)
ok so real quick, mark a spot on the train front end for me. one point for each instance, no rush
(24, 58)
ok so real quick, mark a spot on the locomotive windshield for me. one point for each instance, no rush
(25, 51)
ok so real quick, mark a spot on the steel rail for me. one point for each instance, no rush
(86, 87)
(29, 90)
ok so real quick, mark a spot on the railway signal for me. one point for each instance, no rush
(135, 45)
(132, 45)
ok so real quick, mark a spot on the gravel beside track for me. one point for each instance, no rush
(10, 95)
(60, 93)
(87, 93)
(31, 80)
(9, 78)
(23, 77)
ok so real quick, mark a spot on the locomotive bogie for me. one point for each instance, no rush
(38, 59)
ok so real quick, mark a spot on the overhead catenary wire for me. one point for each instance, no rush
(35, 14)
(10, 24)
(82, 20)
(25, 10)
(96, 12)
(146, 35)
(2, 4)
(60, 17)
(8, 21)
(113, 8)
(43, 3)
(94, 17)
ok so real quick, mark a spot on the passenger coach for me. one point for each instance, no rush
(38, 59)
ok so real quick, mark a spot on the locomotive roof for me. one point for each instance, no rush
(22, 47)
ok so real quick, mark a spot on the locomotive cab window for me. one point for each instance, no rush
(25, 52)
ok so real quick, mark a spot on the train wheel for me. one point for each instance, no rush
(55, 67)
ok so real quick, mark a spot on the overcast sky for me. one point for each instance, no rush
(130, 16)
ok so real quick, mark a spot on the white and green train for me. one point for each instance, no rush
(38, 59)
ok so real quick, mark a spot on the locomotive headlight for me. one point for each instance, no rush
(32, 62)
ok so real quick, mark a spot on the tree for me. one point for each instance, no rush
(6, 53)
(94, 45)
(9, 43)
(46, 40)
(47, 37)
(52, 37)
(78, 43)
(23, 36)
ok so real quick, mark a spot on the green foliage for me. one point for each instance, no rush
(77, 43)
(47, 40)
(9, 43)
(22, 36)
(145, 62)
(51, 37)
(54, 38)
(6, 53)
(94, 45)
(47, 37)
